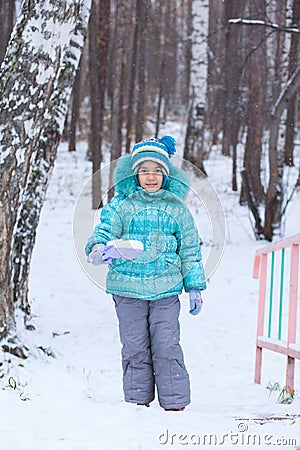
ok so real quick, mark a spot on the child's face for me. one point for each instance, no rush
(150, 176)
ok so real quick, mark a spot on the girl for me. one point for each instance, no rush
(149, 207)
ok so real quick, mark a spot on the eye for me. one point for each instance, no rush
(143, 171)
(158, 171)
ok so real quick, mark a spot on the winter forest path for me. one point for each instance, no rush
(75, 398)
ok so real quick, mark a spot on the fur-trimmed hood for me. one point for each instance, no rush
(125, 184)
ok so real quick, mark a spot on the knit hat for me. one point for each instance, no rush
(154, 149)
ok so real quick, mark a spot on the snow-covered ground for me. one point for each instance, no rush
(68, 393)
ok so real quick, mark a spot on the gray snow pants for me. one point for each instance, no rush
(151, 353)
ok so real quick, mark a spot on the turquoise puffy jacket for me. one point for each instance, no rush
(171, 259)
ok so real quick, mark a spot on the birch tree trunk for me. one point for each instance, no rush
(291, 111)
(277, 12)
(193, 151)
(35, 84)
(188, 53)
(275, 194)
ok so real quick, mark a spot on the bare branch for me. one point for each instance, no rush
(289, 90)
(263, 23)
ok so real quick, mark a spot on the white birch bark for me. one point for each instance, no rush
(36, 79)
(275, 191)
(198, 83)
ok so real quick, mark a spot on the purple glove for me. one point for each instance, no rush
(195, 301)
(96, 255)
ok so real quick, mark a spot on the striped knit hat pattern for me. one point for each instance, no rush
(158, 150)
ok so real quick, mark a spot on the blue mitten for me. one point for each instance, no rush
(96, 255)
(195, 301)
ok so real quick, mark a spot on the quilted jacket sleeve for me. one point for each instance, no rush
(190, 254)
(110, 225)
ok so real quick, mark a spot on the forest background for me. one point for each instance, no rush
(227, 69)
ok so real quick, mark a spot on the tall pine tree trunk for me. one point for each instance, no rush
(140, 111)
(132, 78)
(116, 97)
(98, 58)
(164, 8)
(35, 82)
(7, 10)
(75, 106)
(232, 69)
(215, 81)
(256, 106)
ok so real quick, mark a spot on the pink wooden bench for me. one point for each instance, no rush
(264, 261)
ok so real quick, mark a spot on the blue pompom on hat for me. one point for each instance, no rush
(158, 150)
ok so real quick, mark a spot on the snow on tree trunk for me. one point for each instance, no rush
(282, 89)
(294, 60)
(193, 150)
(36, 81)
